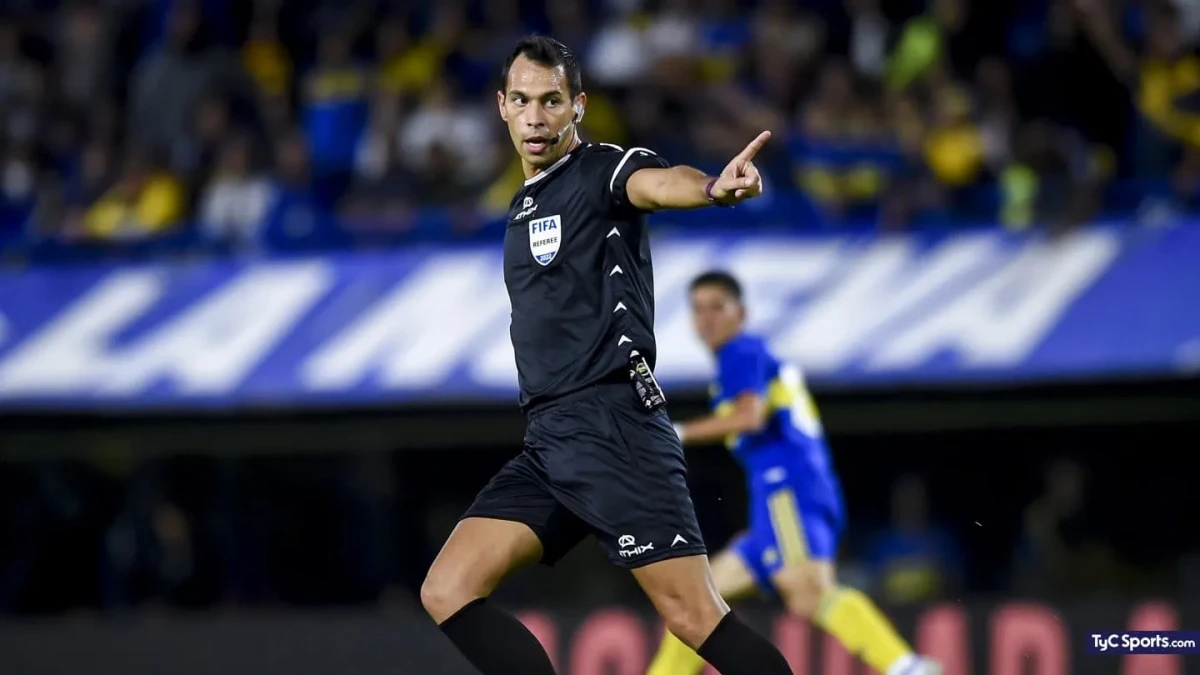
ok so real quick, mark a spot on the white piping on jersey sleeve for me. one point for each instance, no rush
(621, 165)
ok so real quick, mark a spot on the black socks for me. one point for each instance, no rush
(733, 648)
(495, 642)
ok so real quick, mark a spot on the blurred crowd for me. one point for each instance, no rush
(271, 124)
(196, 532)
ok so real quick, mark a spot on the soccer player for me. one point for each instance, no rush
(764, 414)
(600, 455)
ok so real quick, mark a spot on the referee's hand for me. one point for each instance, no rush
(739, 180)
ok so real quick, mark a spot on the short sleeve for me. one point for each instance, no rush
(623, 165)
(742, 368)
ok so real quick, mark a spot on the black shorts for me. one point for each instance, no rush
(595, 462)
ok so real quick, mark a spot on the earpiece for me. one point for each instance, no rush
(557, 138)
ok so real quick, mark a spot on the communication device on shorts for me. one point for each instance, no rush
(644, 383)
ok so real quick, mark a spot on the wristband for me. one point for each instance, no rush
(712, 200)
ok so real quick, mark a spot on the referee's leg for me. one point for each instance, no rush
(626, 477)
(514, 522)
(684, 594)
(479, 554)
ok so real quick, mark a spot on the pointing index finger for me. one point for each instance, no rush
(754, 147)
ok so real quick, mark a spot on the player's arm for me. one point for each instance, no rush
(742, 372)
(684, 187)
(749, 415)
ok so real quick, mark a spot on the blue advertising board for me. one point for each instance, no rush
(431, 323)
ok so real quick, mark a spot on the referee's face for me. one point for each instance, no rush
(716, 314)
(539, 110)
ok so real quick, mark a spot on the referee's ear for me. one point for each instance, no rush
(579, 106)
(500, 104)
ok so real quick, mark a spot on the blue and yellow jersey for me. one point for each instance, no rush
(1168, 95)
(792, 437)
(336, 112)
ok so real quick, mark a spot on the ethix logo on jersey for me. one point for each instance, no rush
(545, 236)
(528, 209)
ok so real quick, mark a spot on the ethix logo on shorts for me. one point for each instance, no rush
(629, 547)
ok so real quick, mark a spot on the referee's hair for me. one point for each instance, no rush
(721, 279)
(546, 51)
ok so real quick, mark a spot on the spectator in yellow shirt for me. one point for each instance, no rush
(1164, 79)
(145, 202)
(954, 147)
(265, 58)
(410, 66)
(923, 43)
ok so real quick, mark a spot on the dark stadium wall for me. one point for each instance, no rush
(981, 476)
(972, 638)
(35, 434)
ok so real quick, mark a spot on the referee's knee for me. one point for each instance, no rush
(443, 593)
(691, 619)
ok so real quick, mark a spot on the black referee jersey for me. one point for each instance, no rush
(599, 455)
(578, 271)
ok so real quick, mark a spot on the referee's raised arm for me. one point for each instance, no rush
(683, 187)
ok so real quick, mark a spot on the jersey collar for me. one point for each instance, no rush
(550, 169)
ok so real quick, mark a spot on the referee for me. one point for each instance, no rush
(600, 454)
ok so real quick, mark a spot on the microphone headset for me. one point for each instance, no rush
(557, 138)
